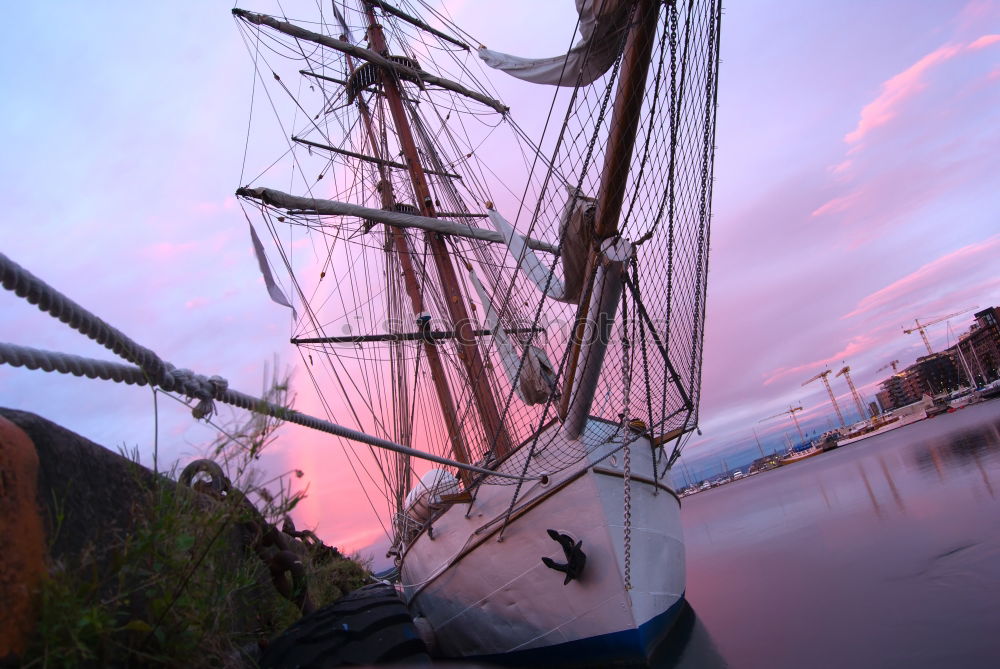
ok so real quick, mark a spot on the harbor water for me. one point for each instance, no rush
(884, 553)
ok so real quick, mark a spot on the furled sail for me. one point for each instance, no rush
(575, 232)
(537, 378)
(602, 25)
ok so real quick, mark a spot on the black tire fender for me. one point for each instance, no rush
(366, 627)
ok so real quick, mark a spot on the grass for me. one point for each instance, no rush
(183, 586)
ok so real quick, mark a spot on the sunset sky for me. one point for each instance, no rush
(857, 187)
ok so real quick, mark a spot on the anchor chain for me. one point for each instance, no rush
(281, 551)
(627, 438)
(627, 483)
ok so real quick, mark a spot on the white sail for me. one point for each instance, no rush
(602, 23)
(575, 234)
(536, 379)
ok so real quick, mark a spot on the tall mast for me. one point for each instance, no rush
(614, 176)
(625, 117)
(397, 238)
(469, 353)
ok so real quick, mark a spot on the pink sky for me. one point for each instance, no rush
(855, 190)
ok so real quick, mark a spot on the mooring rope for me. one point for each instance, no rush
(25, 284)
(154, 371)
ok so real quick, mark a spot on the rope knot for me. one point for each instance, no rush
(201, 388)
(213, 387)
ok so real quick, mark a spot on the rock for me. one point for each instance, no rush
(88, 495)
(22, 539)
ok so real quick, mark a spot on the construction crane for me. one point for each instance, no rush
(833, 399)
(846, 372)
(922, 327)
(791, 412)
(891, 363)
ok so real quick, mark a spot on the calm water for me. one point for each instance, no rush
(885, 553)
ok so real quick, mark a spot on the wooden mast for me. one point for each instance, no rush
(397, 238)
(496, 434)
(617, 156)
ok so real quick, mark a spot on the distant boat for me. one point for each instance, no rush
(911, 413)
(990, 390)
(814, 449)
(961, 398)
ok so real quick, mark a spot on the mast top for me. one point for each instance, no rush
(399, 69)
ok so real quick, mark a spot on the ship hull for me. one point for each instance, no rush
(800, 456)
(628, 647)
(894, 425)
(485, 591)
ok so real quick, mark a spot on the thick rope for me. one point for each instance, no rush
(25, 284)
(51, 361)
(154, 371)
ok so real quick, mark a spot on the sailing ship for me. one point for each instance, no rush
(531, 307)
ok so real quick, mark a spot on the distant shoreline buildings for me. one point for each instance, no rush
(977, 352)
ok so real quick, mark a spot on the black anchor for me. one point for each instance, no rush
(575, 557)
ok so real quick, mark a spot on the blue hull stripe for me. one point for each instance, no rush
(627, 647)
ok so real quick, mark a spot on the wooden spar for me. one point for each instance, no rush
(625, 117)
(314, 75)
(322, 77)
(304, 205)
(617, 156)
(389, 9)
(413, 291)
(368, 55)
(472, 360)
(370, 159)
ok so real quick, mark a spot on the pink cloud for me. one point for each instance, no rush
(974, 12)
(837, 204)
(924, 276)
(166, 251)
(984, 42)
(196, 303)
(856, 345)
(906, 84)
(840, 168)
(896, 90)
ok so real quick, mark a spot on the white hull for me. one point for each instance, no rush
(898, 423)
(787, 460)
(482, 596)
(960, 402)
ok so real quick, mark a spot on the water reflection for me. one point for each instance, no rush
(871, 493)
(689, 646)
(961, 449)
(882, 553)
(892, 485)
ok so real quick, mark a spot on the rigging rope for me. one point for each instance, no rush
(156, 372)
(668, 167)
